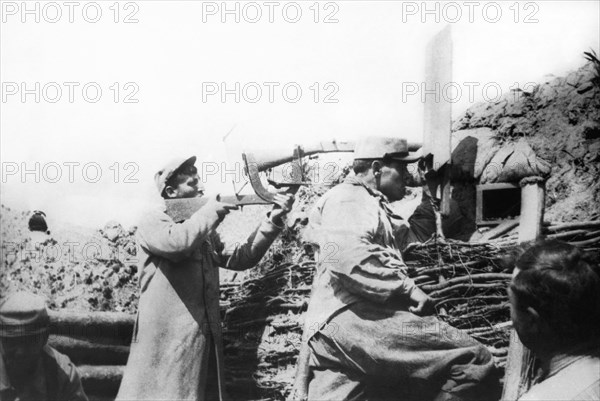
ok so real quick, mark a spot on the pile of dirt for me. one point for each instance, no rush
(560, 120)
(72, 267)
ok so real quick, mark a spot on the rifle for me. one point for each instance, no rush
(260, 161)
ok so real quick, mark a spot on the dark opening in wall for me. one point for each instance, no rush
(496, 202)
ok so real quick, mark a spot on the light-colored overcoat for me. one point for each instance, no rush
(178, 321)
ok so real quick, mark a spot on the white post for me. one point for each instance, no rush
(520, 361)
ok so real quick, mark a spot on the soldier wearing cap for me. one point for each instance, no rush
(29, 368)
(177, 350)
(38, 228)
(366, 333)
(37, 222)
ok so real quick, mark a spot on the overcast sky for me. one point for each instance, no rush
(294, 72)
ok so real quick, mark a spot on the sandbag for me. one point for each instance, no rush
(513, 162)
(478, 155)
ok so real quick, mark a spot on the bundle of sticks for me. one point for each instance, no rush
(468, 283)
(584, 234)
(262, 319)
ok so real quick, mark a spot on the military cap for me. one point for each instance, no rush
(163, 175)
(379, 147)
(23, 314)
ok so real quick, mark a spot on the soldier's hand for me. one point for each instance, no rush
(283, 205)
(221, 208)
(429, 178)
(424, 304)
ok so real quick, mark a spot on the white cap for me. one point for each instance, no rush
(377, 147)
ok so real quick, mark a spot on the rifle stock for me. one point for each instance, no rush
(183, 208)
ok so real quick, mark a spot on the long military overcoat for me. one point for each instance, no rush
(178, 321)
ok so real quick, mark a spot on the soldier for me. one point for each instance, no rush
(29, 368)
(37, 222)
(365, 334)
(555, 309)
(38, 228)
(177, 350)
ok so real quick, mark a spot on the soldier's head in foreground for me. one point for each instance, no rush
(381, 162)
(555, 299)
(24, 326)
(179, 179)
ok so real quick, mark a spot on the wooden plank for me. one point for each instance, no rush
(438, 109)
(520, 362)
(519, 369)
(437, 125)
(101, 380)
(498, 185)
(479, 206)
(499, 230)
(532, 212)
(89, 352)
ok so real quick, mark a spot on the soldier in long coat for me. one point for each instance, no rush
(177, 351)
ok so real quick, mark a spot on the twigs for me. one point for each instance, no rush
(263, 330)
(485, 277)
(468, 285)
(555, 227)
